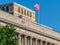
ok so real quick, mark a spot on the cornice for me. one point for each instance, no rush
(21, 25)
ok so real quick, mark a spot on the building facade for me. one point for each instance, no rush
(29, 32)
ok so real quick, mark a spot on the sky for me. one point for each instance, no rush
(49, 11)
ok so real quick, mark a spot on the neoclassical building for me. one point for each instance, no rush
(29, 32)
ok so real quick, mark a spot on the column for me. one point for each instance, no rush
(25, 40)
(23, 11)
(26, 12)
(19, 42)
(31, 41)
(45, 43)
(29, 14)
(41, 42)
(50, 44)
(36, 41)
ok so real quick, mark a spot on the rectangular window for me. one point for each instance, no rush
(19, 9)
(24, 12)
(27, 13)
(30, 14)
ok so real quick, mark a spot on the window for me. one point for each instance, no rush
(30, 14)
(24, 12)
(19, 9)
(2, 8)
(7, 8)
(27, 13)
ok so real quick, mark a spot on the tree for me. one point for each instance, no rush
(8, 35)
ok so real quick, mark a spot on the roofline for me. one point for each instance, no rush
(43, 25)
(46, 27)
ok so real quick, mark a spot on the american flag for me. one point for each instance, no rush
(36, 6)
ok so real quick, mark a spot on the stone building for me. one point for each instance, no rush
(29, 32)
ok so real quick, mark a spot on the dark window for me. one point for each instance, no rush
(24, 12)
(7, 8)
(27, 13)
(30, 14)
(19, 9)
(2, 8)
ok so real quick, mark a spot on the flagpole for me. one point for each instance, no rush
(38, 12)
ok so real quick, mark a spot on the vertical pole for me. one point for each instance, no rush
(39, 11)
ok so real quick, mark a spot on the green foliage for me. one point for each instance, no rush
(8, 35)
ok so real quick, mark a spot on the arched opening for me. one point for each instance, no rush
(22, 39)
(52, 44)
(43, 43)
(28, 40)
(33, 41)
(38, 42)
(48, 43)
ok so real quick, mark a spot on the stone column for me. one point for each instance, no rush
(45, 43)
(50, 44)
(30, 40)
(23, 11)
(25, 40)
(26, 12)
(29, 14)
(41, 42)
(36, 41)
(19, 36)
